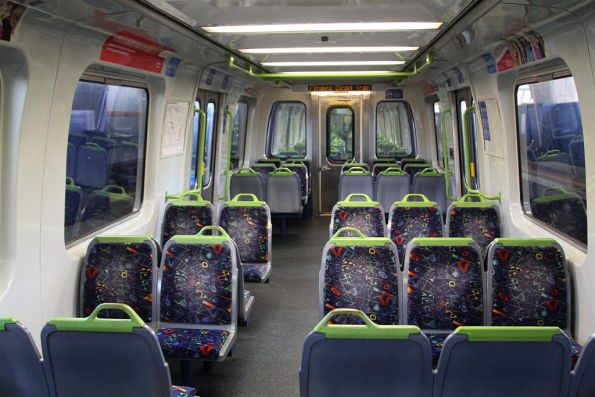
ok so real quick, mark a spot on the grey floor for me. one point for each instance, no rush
(266, 356)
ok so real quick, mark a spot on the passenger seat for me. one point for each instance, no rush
(363, 214)
(246, 180)
(355, 180)
(392, 185)
(431, 183)
(186, 215)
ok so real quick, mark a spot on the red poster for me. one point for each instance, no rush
(130, 49)
(506, 61)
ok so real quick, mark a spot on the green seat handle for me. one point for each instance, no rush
(114, 189)
(323, 326)
(183, 196)
(470, 197)
(94, 146)
(282, 171)
(247, 171)
(421, 197)
(552, 191)
(134, 318)
(368, 330)
(238, 197)
(357, 171)
(348, 229)
(219, 229)
(70, 181)
(96, 324)
(294, 162)
(429, 170)
(363, 196)
(393, 171)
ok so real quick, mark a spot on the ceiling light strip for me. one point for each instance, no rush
(326, 50)
(324, 27)
(334, 63)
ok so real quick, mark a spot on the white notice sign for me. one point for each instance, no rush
(174, 129)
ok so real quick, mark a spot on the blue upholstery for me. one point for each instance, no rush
(21, 372)
(102, 361)
(283, 193)
(583, 381)
(302, 172)
(361, 277)
(253, 184)
(72, 208)
(120, 272)
(433, 186)
(406, 223)
(503, 367)
(182, 391)
(481, 224)
(91, 166)
(198, 289)
(368, 220)
(184, 218)
(349, 184)
(444, 285)
(353, 366)
(391, 188)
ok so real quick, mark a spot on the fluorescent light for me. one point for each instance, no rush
(325, 27)
(336, 72)
(334, 63)
(325, 50)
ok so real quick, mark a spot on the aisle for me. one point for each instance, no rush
(266, 357)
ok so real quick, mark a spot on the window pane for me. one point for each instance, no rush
(287, 130)
(553, 156)
(339, 132)
(438, 130)
(394, 130)
(211, 114)
(105, 156)
(195, 132)
(238, 134)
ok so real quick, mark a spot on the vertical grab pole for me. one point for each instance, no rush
(445, 152)
(467, 146)
(201, 148)
(228, 165)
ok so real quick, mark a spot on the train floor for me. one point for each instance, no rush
(266, 357)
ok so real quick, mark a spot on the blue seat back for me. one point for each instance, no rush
(479, 220)
(302, 172)
(409, 219)
(21, 372)
(413, 168)
(391, 185)
(263, 168)
(583, 381)
(360, 273)
(246, 180)
(372, 360)
(444, 280)
(504, 361)
(186, 215)
(97, 357)
(72, 208)
(247, 220)
(528, 283)
(198, 282)
(91, 166)
(283, 192)
(355, 180)
(120, 269)
(367, 216)
(431, 183)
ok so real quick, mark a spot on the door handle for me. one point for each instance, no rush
(325, 168)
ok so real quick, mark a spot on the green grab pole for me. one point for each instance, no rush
(228, 164)
(201, 148)
(445, 153)
(467, 147)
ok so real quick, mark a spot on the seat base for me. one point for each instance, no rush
(195, 344)
(256, 272)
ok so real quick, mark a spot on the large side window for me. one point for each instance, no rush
(552, 156)
(105, 156)
(209, 133)
(286, 133)
(339, 134)
(238, 133)
(195, 137)
(394, 130)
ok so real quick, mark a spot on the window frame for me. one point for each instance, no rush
(269, 140)
(98, 79)
(412, 130)
(328, 135)
(526, 205)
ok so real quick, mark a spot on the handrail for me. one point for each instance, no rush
(467, 165)
(201, 147)
(445, 152)
(228, 164)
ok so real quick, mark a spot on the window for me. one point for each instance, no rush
(105, 156)
(195, 132)
(339, 134)
(552, 156)
(209, 133)
(287, 130)
(394, 130)
(238, 133)
(438, 130)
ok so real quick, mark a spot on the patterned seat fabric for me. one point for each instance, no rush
(436, 343)
(185, 220)
(302, 173)
(256, 272)
(182, 391)
(185, 343)
(119, 273)
(407, 223)
(481, 224)
(529, 286)
(368, 220)
(363, 278)
(249, 228)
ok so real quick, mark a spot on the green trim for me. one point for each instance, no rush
(123, 239)
(246, 172)
(353, 171)
(282, 171)
(201, 148)
(5, 321)
(366, 203)
(201, 238)
(110, 189)
(95, 324)
(182, 199)
(393, 171)
(369, 331)
(442, 241)
(525, 242)
(559, 194)
(406, 202)
(551, 155)
(418, 165)
(70, 181)
(253, 202)
(509, 334)
(360, 240)
(464, 202)
(430, 172)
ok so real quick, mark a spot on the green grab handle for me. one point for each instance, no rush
(237, 197)
(323, 324)
(468, 196)
(365, 197)
(393, 171)
(111, 188)
(196, 195)
(94, 324)
(408, 197)
(70, 181)
(348, 229)
(554, 191)
(201, 147)
(430, 171)
(282, 171)
(134, 317)
(94, 146)
(356, 171)
(219, 229)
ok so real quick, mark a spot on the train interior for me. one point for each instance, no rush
(296, 197)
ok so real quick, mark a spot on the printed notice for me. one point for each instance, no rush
(174, 129)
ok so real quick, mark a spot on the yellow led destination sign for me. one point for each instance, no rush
(342, 87)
